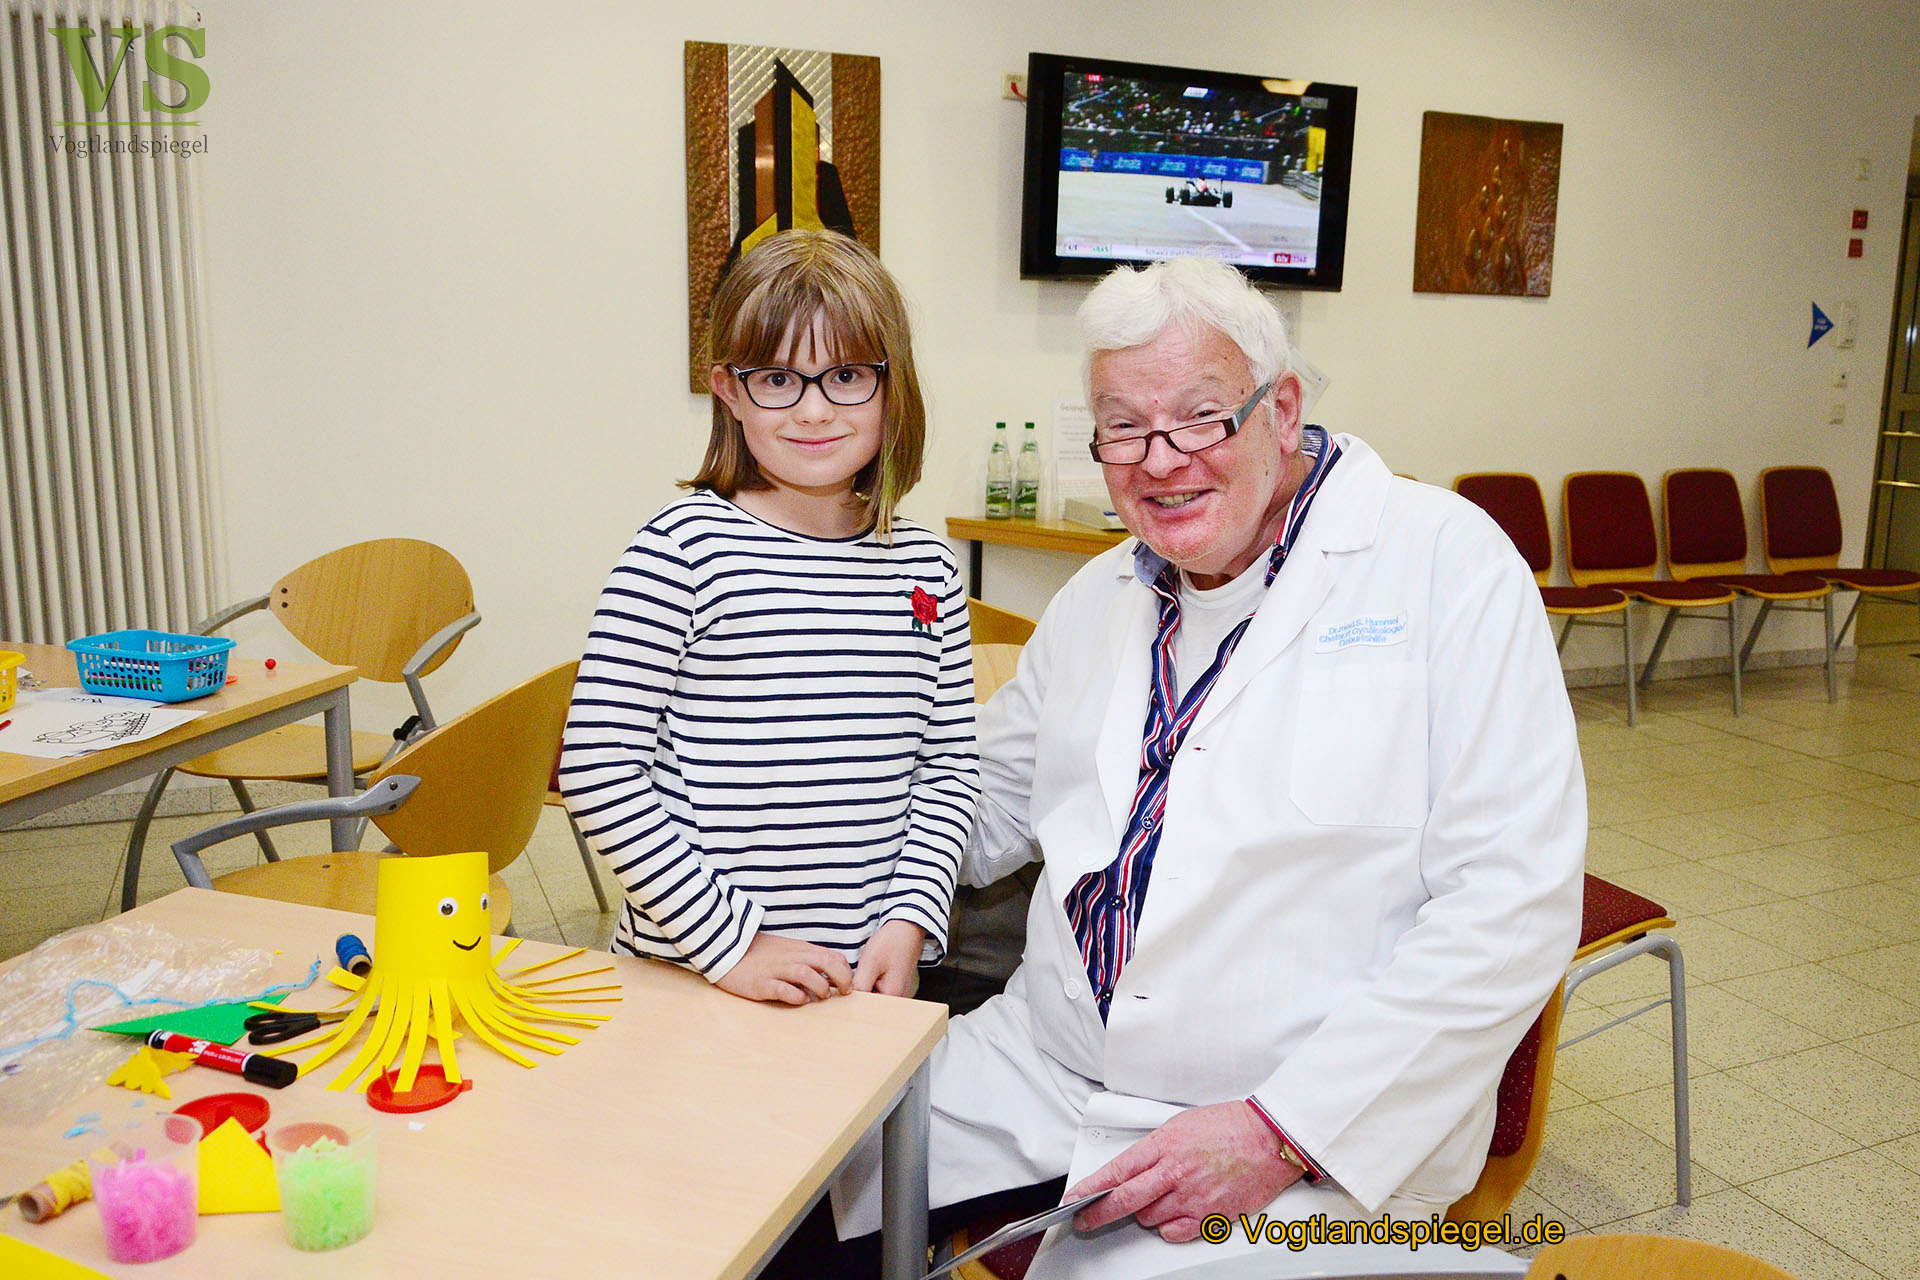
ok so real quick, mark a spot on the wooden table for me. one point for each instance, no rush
(1039, 535)
(678, 1141)
(258, 700)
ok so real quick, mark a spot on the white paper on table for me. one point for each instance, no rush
(1075, 473)
(55, 723)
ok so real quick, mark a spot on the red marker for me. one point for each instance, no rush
(5, 723)
(275, 1073)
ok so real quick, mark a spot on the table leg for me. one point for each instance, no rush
(339, 731)
(903, 1183)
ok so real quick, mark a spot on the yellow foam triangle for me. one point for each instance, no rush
(143, 1071)
(236, 1176)
(23, 1261)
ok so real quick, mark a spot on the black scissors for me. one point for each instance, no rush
(273, 1028)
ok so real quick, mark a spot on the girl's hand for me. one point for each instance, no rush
(890, 962)
(787, 971)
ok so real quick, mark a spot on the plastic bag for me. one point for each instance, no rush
(95, 974)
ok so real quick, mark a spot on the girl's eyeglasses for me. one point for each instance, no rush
(777, 387)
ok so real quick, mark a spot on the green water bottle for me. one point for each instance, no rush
(1026, 477)
(999, 476)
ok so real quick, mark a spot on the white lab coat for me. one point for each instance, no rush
(1368, 881)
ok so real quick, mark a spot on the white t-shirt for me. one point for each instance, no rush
(1207, 616)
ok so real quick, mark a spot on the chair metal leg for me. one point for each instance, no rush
(587, 860)
(1659, 647)
(248, 806)
(1733, 648)
(1626, 654)
(1840, 636)
(1753, 632)
(1826, 607)
(1664, 946)
(1682, 1108)
(137, 839)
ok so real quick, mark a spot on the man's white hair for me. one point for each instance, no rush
(1130, 308)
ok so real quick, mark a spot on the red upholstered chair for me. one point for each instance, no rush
(1707, 542)
(1617, 925)
(1800, 533)
(1611, 543)
(1514, 501)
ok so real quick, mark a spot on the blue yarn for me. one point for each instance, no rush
(73, 1017)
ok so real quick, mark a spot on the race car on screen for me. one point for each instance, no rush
(1199, 191)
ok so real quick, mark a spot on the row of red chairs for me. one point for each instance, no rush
(1613, 556)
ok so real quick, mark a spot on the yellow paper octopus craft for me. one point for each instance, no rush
(432, 967)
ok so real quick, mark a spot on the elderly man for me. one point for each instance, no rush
(1303, 779)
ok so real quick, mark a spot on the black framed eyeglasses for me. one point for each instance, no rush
(1126, 450)
(778, 387)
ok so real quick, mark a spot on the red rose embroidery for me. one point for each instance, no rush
(924, 608)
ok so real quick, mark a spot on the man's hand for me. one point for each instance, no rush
(1217, 1159)
(890, 962)
(787, 971)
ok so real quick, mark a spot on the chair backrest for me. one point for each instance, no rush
(1706, 525)
(993, 666)
(1514, 501)
(1520, 1120)
(993, 625)
(1616, 1257)
(483, 774)
(1799, 519)
(373, 604)
(1609, 528)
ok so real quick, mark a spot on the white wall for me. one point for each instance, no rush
(447, 257)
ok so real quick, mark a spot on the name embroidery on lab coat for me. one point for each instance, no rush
(1376, 629)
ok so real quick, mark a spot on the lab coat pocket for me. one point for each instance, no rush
(1360, 745)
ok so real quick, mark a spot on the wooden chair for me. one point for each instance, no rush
(1707, 542)
(395, 608)
(1800, 532)
(1516, 504)
(991, 624)
(1611, 543)
(476, 782)
(559, 801)
(1630, 1257)
(993, 666)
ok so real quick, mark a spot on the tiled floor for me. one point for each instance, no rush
(1787, 843)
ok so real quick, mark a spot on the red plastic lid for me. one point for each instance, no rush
(250, 1109)
(430, 1089)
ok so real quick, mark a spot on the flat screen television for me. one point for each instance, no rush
(1131, 163)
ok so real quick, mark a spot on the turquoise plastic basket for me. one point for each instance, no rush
(161, 665)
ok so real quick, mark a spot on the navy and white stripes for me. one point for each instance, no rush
(769, 731)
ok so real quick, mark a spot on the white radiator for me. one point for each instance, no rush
(104, 415)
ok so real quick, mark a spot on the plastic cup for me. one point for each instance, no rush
(325, 1166)
(147, 1184)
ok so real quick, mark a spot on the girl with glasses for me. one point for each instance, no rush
(771, 737)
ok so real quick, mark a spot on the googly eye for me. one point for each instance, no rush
(485, 902)
(448, 906)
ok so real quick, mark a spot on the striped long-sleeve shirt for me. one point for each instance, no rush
(774, 731)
